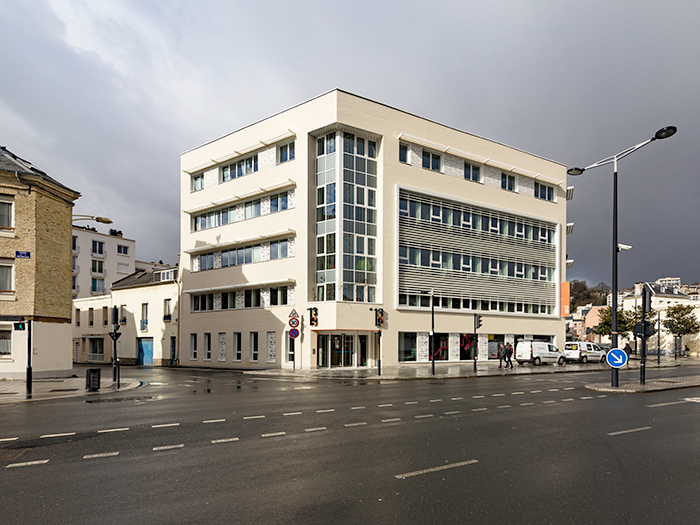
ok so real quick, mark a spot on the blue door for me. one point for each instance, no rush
(146, 351)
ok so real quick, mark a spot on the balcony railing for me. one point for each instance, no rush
(167, 317)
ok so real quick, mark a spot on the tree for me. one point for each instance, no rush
(581, 294)
(680, 320)
(625, 323)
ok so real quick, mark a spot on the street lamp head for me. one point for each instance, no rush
(575, 171)
(666, 132)
(104, 220)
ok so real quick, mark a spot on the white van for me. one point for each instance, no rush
(583, 351)
(537, 353)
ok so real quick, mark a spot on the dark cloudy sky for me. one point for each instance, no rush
(105, 95)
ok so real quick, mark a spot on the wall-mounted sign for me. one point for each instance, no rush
(23, 255)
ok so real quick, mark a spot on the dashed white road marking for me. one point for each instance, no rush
(479, 409)
(422, 416)
(553, 390)
(548, 401)
(224, 440)
(325, 410)
(435, 469)
(386, 405)
(168, 447)
(497, 395)
(28, 463)
(357, 408)
(504, 406)
(478, 397)
(602, 395)
(166, 425)
(435, 400)
(535, 391)
(570, 388)
(628, 431)
(587, 397)
(667, 404)
(57, 435)
(361, 423)
(214, 421)
(453, 412)
(456, 398)
(516, 393)
(391, 420)
(9, 439)
(316, 429)
(292, 414)
(411, 403)
(253, 417)
(103, 455)
(526, 404)
(570, 399)
(123, 429)
(273, 434)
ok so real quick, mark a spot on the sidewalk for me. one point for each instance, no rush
(14, 391)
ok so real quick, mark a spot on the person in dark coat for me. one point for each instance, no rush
(509, 355)
(501, 354)
(628, 349)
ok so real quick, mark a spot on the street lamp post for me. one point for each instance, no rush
(103, 220)
(663, 133)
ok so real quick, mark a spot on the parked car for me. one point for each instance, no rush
(605, 347)
(583, 351)
(536, 352)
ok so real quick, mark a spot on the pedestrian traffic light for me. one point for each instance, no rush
(379, 317)
(314, 317)
(477, 321)
(22, 325)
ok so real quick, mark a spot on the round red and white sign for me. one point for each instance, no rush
(294, 322)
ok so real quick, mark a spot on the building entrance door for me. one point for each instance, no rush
(146, 351)
(362, 351)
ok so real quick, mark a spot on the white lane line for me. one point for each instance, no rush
(587, 397)
(602, 395)
(168, 447)
(411, 403)
(553, 390)
(9, 439)
(479, 409)
(548, 401)
(253, 417)
(453, 412)
(28, 463)
(103, 455)
(497, 395)
(628, 431)
(355, 424)
(325, 410)
(667, 404)
(157, 384)
(357, 408)
(570, 388)
(386, 405)
(292, 414)
(214, 421)
(225, 440)
(303, 387)
(478, 397)
(166, 425)
(570, 399)
(535, 391)
(316, 429)
(456, 398)
(435, 400)
(516, 393)
(273, 434)
(422, 416)
(124, 429)
(435, 469)
(526, 404)
(391, 420)
(504, 406)
(57, 435)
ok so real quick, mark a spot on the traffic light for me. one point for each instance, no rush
(314, 317)
(477, 321)
(22, 325)
(379, 317)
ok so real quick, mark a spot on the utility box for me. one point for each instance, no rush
(92, 379)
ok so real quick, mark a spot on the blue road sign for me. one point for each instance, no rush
(617, 358)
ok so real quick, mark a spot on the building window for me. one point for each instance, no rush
(91, 317)
(98, 248)
(542, 191)
(207, 347)
(286, 152)
(96, 349)
(252, 209)
(167, 313)
(278, 296)
(6, 280)
(254, 347)
(228, 300)
(278, 202)
(6, 204)
(193, 347)
(5, 343)
(198, 182)
(279, 249)
(252, 298)
(122, 268)
(236, 346)
(203, 302)
(239, 168)
(122, 250)
(403, 153)
(77, 317)
(75, 243)
(472, 172)
(407, 346)
(206, 262)
(98, 267)
(98, 285)
(105, 315)
(431, 161)
(507, 182)
(144, 316)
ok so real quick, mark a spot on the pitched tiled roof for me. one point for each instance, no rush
(12, 163)
(138, 278)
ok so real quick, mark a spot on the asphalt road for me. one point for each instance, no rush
(222, 447)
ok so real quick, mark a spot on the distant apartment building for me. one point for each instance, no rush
(35, 270)
(148, 310)
(308, 234)
(99, 259)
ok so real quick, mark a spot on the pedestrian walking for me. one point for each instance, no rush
(501, 354)
(509, 355)
(628, 349)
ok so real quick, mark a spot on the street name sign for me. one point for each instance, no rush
(617, 358)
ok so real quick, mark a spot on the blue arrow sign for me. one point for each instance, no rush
(617, 358)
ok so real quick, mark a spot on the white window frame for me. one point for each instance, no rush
(470, 168)
(253, 348)
(8, 345)
(237, 343)
(508, 178)
(10, 264)
(197, 182)
(193, 347)
(287, 150)
(10, 201)
(207, 346)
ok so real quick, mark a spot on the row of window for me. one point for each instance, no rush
(251, 209)
(98, 247)
(253, 341)
(245, 255)
(466, 217)
(251, 298)
(472, 263)
(433, 161)
(457, 303)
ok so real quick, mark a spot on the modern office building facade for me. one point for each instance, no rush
(311, 220)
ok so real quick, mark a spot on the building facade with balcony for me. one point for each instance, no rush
(147, 306)
(341, 206)
(35, 274)
(99, 259)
